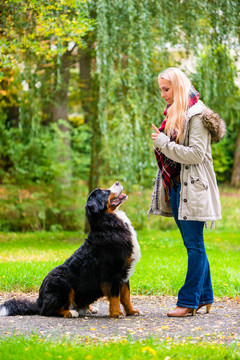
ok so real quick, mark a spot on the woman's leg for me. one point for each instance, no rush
(197, 288)
(207, 292)
(190, 292)
(174, 202)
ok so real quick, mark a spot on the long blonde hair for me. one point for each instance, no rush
(176, 113)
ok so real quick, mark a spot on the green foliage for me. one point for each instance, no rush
(54, 207)
(215, 79)
(128, 43)
(45, 30)
(35, 40)
(135, 41)
(35, 159)
(61, 206)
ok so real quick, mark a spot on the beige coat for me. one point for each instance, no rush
(199, 197)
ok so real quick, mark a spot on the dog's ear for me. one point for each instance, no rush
(92, 206)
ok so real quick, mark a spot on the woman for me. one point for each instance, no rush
(186, 186)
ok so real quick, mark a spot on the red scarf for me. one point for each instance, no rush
(166, 165)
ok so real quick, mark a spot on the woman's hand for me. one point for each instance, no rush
(157, 132)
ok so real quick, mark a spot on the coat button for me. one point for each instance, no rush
(184, 218)
(185, 200)
(192, 181)
(185, 183)
(187, 167)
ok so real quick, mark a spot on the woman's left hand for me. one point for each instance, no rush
(157, 132)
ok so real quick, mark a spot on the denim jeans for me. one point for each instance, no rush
(197, 288)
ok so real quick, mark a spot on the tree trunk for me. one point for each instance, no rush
(94, 174)
(236, 163)
(60, 97)
(95, 156)
(85, 83)
(59, 112)
(89, 96)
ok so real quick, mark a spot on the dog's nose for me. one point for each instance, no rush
(117, 183)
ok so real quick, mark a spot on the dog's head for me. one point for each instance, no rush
(105, 201)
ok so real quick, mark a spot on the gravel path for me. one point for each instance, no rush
(220, 326)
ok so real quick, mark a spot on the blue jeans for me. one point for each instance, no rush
(198, 286)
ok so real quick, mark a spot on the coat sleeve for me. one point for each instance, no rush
(193, 153)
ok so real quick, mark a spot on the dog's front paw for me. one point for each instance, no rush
(134, 312)
(73, 313)
(117, 315)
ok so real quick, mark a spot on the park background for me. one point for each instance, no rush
(78, 95)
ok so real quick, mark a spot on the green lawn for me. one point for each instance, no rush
(32, 348)
(27, 258)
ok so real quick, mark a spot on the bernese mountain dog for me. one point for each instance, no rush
(101, 266)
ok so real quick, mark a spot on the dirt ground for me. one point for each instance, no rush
(222, 325)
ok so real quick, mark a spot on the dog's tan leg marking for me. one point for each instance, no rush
(64, 311)
(71, 297)
(114, 307)
(126, 302)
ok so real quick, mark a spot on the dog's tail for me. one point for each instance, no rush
(14, 307)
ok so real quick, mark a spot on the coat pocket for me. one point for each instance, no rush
(199, 183)
(198, 196)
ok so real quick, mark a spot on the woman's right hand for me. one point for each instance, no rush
(157, 132)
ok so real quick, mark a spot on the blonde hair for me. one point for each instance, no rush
(176, 113)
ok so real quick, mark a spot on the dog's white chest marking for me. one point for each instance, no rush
(136, 254)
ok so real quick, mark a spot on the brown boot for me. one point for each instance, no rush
(181, 312)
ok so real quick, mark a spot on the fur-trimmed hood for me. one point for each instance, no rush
(214, 124)
(210, 119)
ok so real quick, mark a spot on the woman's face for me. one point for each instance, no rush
(166, 90)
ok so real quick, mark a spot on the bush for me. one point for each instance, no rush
(36, 208)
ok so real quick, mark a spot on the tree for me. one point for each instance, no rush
(39, 41)
(122, 46)
(132, 45)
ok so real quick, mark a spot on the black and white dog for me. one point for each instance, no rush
(100, 267)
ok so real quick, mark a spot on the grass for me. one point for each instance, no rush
(35, 348)
(27, 258)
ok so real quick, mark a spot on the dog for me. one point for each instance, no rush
(101, 266)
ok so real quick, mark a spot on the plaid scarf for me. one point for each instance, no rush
(168, 166)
